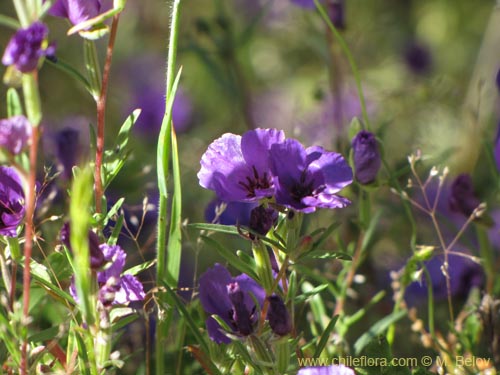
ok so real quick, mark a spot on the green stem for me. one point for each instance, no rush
(487, 256)
(351, 61)
(93, 68)
(32, 98)
(164, 144)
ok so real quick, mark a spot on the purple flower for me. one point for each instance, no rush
(115, 288)
(96, 255)
(278, 316)
(11, 201)
(143, 79)
(229, 298)
(78, 11)
(68, 150)
(496, 150)
(304, 3)
(464, 275)
(235, 213)
(25, 48)
(498, 80)
(128, 288)
(307, 179)
(335, 10)
(15, 133)
(463, 198)
(366, 157)
(326, 370)
(417, 58)
(237, 167)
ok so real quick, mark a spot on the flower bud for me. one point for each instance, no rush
(262, 219)
(366, 157)
(278, 316)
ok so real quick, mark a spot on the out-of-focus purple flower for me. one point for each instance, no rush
(144, 81)
(262, 219)
(67, 143)
(278, 316)
(335, 10)
(463, 198)
(498, 80)
(326, 370)
(366, 157)
(417, 57)
(96, 256)
(78, 11)
(229, 298)
(237, 167)
(464, 275)
(235, 213)
(306, 179)
(496, 150)
(328, 122)
(11, 201)
(26, 47)
(128, 288)
(15, 133)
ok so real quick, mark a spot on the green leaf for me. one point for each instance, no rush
(325, 336)
(139, 268)
(310, 292)
(81, 197)
(228, 229)
(378, 328)
(116, 231)
(323, 254)
(324, 235)
(114, 159)
(230, 257)
(14, 106)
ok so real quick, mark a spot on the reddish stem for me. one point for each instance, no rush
(101, 112)
(28, 244)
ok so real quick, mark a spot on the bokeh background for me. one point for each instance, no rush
(428, 72)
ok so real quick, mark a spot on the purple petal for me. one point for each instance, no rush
(213, 290)
(116, 256)
(215, 331)
(14, 133)
(249, 285)
(59, 9)
(255, 146)
(309, 4)
(334, 170)
(288, 161)
(326, 370)
(130, 290)
(11, 201)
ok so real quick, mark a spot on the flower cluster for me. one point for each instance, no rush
(263, 164)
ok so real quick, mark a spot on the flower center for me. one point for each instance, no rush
(256, 182)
